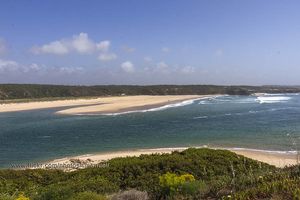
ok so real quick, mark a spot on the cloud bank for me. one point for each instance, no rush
(147, 69)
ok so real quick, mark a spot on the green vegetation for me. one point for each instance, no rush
(26, 92)
(172, 184)
(191, 174)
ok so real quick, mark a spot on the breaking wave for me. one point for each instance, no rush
(272, 99)
(261, 150)
(200, 117)
(183, 103)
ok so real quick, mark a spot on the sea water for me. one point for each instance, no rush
(270, 123)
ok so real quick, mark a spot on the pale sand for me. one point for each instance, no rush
(13, 107)
(273, 158)
(100, 105)
(129, 103)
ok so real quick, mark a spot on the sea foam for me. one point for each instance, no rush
(261, 150)
(183, 103)
(272, 99)
(201, 117)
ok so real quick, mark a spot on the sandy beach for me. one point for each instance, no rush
(14, 107)
(70, 163)
(129, 103)
(101, 105)
(273, 158)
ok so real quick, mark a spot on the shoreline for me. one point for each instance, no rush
(129, 104)
(103, 105)
(277, 158)
(37, 105)
(132, 104)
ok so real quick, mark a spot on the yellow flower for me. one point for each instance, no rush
(22, 197)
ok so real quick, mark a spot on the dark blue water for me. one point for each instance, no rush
(226, 121)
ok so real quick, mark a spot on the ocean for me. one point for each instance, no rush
(270, 123)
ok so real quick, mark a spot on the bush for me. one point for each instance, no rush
(199, 188)
(172, 183)
(88, 196)
(7, 197)
(131, 195)
(22, 197)
(54, 192)
(201, 173)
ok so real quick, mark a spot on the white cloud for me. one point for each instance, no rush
(104, 48)
(107, 56)
(162, 67)
(3, 48)
(165, 49)
(82, 44)
(69, 70)
(56, 47)
(8, 65)
(103, 45)
(188, 70)
(127, 67)
(33, 67)
(12, 67)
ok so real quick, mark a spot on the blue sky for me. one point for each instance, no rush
(150, 42)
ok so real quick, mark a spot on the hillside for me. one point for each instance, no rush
(25, 91)
(191, 174)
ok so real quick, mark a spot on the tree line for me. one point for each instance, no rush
(35, 91)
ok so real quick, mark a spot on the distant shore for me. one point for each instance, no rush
(102, 105)
(278, 159)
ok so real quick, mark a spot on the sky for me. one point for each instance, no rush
(72, 42)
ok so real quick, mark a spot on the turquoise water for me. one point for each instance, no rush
(224, 121)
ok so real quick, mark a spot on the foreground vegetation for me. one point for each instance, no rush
(24, 92)
(191, 174)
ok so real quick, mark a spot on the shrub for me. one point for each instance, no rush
(88, 196)
(172, 183)
(55, 192)
(215, 173)
(131, 195)
(198, 188)
(7, 197)
(22, 197)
